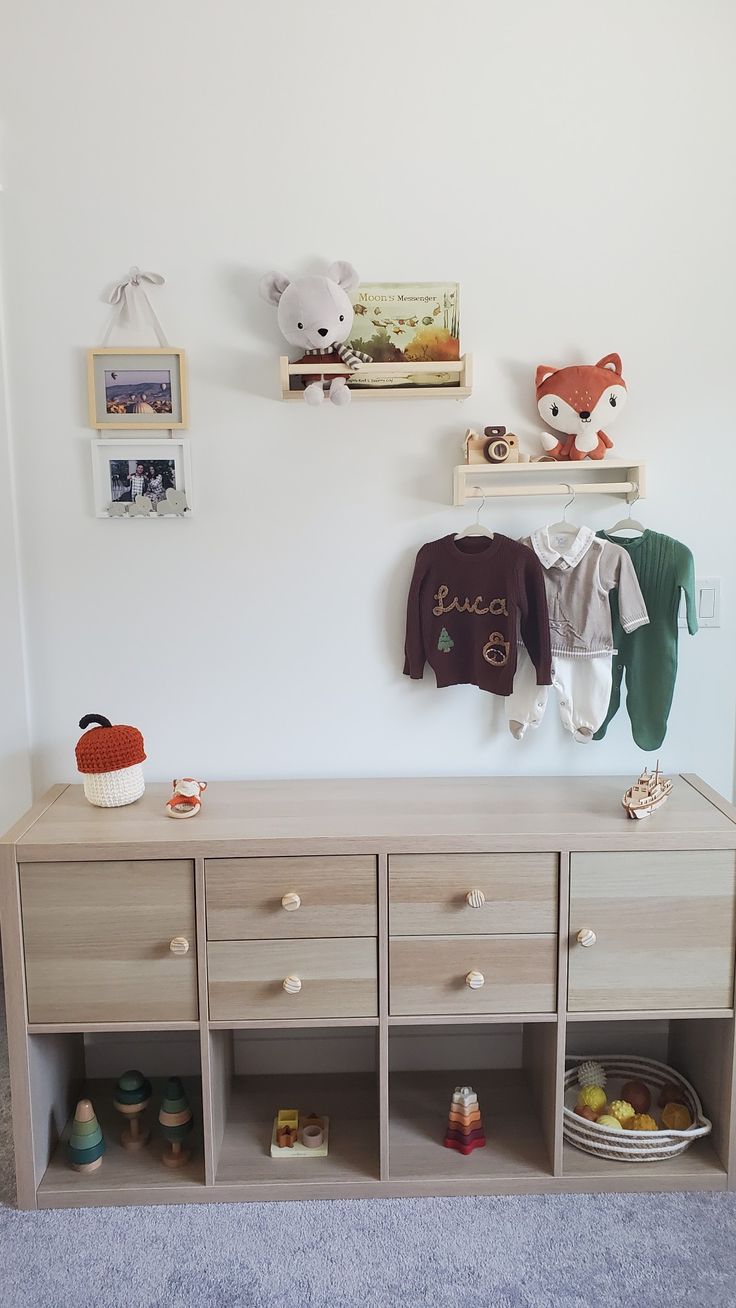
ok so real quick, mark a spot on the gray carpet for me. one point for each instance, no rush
(561, 1251)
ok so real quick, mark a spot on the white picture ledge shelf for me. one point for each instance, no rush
(459, 374)
(605, 477)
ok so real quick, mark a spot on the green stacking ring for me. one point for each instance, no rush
(85, 1141)
(131, 1080)
(86, 1155)
(133, 1096)
(84, 1128)
(178, 1132)
(174, 1105)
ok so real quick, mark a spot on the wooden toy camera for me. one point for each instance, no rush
(496, 445)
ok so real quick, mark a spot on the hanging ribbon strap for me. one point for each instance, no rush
(131, 304)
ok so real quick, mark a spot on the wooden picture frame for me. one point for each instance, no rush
(141, 412)
(171, 461)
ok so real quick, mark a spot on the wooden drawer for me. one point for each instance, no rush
(97, 939)
(428, 893)
(664, 928)
(428, 974)
(338, 978)
(338, 897)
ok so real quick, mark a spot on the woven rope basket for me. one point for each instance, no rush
(631, 1146)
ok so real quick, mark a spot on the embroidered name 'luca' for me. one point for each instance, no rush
(495, 606)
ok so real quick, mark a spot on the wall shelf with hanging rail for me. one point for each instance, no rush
(622, 477)
(450, 379)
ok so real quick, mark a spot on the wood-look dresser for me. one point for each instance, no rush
(422, 933)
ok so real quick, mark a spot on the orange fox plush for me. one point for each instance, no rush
(577, 401)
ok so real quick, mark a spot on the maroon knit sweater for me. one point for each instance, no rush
(468, 598)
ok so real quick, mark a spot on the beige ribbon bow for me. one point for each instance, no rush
(130, 302)
(135, 277)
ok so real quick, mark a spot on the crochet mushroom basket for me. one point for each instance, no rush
(110, 759)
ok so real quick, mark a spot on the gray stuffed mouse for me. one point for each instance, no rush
(316, 314)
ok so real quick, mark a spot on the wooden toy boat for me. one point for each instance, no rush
(650, 792)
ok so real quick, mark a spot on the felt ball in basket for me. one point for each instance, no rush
(110, 759)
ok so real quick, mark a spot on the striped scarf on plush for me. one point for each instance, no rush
(350, 357)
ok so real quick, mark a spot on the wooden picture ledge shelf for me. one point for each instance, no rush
(621, 477)
(356, 950)
(458, 387)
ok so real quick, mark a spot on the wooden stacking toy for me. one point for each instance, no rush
(287, 1128)
(464, 1125)
(175, 1118)
(132, 1096)
(298, 1135)
(85, 1146)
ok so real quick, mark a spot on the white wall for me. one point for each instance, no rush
(569, 164)
(15, 771)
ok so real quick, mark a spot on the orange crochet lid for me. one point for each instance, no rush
(107, 748)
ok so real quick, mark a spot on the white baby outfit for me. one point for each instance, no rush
(579, 574)
(583, 693)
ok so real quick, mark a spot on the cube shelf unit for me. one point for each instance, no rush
(350, 1100)
(64, 1067)
(459, 389)
(385, 1079)
(619, 477)
(399, 1153)
(513, 1076)
(701, 1049)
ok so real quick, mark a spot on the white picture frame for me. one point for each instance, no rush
(156, 483)
(130, 388)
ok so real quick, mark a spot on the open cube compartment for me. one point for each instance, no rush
(66, 1067)
(330, 1072)
(511, 1067)
(701, 1049)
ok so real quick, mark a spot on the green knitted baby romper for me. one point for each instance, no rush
(649, 655)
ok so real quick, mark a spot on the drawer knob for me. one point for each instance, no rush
(586, 937)
(292, 985)
(179, 945)
(474, 980)
(475, 899)
(291, 902)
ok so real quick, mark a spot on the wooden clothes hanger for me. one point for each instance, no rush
(628, 523)
(476, 528)
(563, 527)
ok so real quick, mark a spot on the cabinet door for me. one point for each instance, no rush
(98, 941)
(663, 926)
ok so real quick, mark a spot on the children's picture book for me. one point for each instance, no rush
(416, 322)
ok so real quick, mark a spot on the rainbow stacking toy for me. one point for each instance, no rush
(464, 1126)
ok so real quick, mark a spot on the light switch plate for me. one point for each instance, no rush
(707, 603)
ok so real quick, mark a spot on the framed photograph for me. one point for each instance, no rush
(142, 478)
(137, 389)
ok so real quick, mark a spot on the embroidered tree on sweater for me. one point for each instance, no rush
(445, 642)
